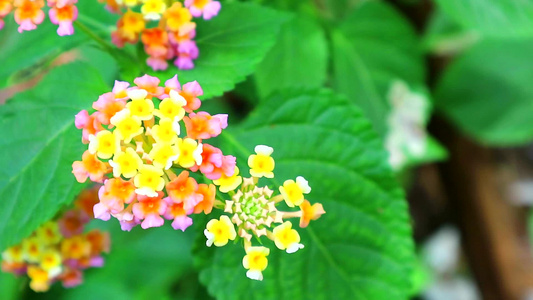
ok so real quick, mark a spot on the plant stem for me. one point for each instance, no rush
(105, 45)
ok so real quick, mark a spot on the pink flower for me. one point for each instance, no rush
(177, 213)
(113, 195)
(182, 189)
(101, 212)
(127, 225)
(88, 123)
(28, 14)
(184, 62)
(150, 84)
(214, 164)
(150, 209)
(107, 106)
(89, 166)
(64, 16)
(191, 91)
(187, 52)
(203, 126)
(71, 278)
(207, 8)
(157, 63)
(120, 90)
(171, 84)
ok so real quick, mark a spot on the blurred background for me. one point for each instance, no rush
(469, 195)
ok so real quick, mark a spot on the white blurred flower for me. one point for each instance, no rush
(406, 122)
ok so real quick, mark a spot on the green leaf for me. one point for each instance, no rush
(362, 247)
(39, 145)
(487, 92)
(445, 37)
(10, 286)
(299, 58)
(24, 54)
(498, 18)
(373, 47)
(231, 45)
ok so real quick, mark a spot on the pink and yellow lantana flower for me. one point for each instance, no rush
(59, 250)
(145, 141)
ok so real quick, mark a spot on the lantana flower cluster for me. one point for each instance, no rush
(60, 250)
(29, 13)
(140, 153)
(252, 212)
(166, 28)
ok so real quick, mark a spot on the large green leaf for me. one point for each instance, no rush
(23, 54)
(39, 143)
(374, 46)
(231, 45)
(488, 93)
(502, 18)
(362, 247)
(299, 58)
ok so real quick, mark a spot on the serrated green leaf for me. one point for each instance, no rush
(372, 47)
(487, 92)
(497, 18)
(231, 45)
(362, 247)
(298, 59)
(39, 145)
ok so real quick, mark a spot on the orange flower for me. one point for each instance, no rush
(183, 189)
(28, 14)
(310, 212)
(89, 166)
(206, 204)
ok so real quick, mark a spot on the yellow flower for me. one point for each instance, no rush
(219, 232)
(149, 181)
(39, 279)
(104, 144)
(126, 163)
(287, 238)
(75, 247)
(256, 262)
(172, 107)
(129, 3)
(190, 153)
(262, 164)
(140, 106)
(164, 155)
(293, 192)
(230, 183)
(13, 254)
(165, 131)
(51, 262)
(153, 9)
(49, 233)
(31, 249)
(128, 126)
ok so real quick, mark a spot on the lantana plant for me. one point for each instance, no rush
(253, 212)
(166, 28)
(60, 250)
(138, 150)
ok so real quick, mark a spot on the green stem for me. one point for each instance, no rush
(105, 45)
(92, 22)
